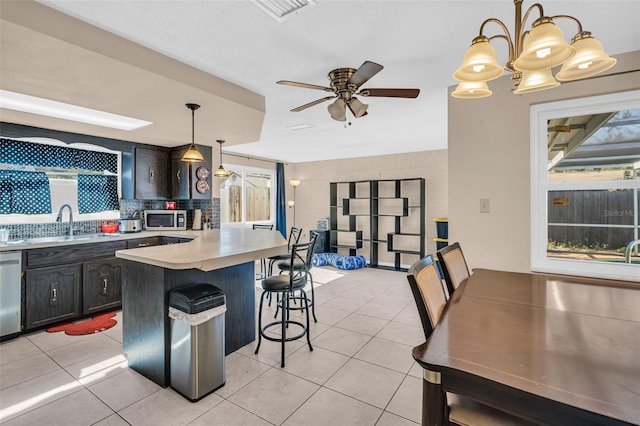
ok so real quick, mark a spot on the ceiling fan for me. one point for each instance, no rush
(345, 84)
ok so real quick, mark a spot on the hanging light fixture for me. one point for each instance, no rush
(192, 155)
(532, 54)
(337, 110)
(221, 172)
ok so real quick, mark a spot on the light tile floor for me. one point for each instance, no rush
(360, 372)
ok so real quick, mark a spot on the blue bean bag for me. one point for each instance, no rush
(339, 261)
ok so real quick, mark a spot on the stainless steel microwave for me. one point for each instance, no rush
(168, 220)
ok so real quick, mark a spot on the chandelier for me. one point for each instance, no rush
(532, 55)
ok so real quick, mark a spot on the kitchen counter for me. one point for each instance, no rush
(209, 250)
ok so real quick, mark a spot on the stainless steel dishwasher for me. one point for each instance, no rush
(10, 292)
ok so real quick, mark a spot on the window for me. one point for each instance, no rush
(247, 195)
(585, 186)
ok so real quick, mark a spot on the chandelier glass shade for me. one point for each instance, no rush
(532, 56)
(192, 155)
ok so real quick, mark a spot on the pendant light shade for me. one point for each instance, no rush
(544, 47)
(192, 155)
(534, 81)
(221, 172)
(337, 110)
(590, 59)
(479, 62)
(471, 90)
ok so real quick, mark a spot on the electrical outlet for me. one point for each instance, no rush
(484, 205)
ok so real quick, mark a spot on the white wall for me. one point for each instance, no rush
(312, 196)
(489, 158)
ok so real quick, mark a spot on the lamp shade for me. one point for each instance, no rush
(590, 59)
(192, 155)
(479, 62)
(357, 108)
(221, 172)
(471, 90)
(294, 182)
(544, 47)
(337, 110)
(534, 81)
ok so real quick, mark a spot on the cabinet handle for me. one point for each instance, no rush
(104, 286)
(178, 174)
(143, 244)
(54, 294)
(152, 176)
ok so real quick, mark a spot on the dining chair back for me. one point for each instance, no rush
(428, 292)
(454, 266)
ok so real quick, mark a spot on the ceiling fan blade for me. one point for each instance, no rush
(391, 93)
(367, 70)
(310, 104)
(304, 85)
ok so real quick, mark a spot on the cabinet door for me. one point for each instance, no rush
(151, 174)
(179, 178)
(52, 295)
(101, 285)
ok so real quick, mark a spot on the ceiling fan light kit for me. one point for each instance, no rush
(345, 84)
(532, 55)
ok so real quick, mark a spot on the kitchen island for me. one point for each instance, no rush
(222, 257)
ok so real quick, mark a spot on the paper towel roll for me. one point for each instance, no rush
(197, 220)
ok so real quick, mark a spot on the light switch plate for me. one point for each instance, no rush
(484, 205)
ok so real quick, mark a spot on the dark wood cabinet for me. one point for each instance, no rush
(52, 294)
(151, 169)
(63, 283)
(101, 285)
(184, 176)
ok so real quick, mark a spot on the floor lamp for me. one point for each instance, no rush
(294, 183)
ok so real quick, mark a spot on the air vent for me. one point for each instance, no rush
(282, 9)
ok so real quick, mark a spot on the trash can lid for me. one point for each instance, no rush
(196, 298)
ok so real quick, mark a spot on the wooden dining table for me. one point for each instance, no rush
(550, 349)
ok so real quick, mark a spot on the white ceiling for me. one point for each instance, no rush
(420, 44)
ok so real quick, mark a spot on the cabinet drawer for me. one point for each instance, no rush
(71, 254)
(144, 242)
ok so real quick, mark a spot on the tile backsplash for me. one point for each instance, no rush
(127, 208)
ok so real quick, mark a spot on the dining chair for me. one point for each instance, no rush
(285, 285)
(454, 266)
(263, 262)
(431, 300)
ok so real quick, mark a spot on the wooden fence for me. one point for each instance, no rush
(592, 218)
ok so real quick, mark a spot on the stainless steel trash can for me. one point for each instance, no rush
(197, 340)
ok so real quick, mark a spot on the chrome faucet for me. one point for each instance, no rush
(59, 218)
(629, 249)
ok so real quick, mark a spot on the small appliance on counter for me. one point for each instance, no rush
(132, 223)
(167, 220)
(197, 220)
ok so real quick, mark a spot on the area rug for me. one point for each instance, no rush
(96, 324)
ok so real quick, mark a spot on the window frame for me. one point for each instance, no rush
(244, 169)
(540, 186)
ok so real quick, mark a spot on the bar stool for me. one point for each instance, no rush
(263, 261)
(284, 285)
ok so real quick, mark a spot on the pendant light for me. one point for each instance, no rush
(192, 155)
(221, 172)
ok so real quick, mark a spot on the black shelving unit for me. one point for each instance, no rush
(398, 206)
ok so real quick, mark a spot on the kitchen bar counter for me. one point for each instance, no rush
(224, 258)
(209, 250)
